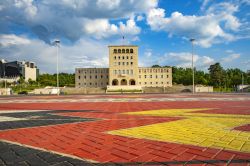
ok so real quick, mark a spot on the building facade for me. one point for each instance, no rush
(123, 72)
(16, 69)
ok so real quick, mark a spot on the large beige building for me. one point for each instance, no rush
(123, 72)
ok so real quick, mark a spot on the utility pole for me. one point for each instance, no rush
(192, 41)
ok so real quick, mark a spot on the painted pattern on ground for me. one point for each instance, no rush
(136, 132)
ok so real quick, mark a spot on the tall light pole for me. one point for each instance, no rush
(57, 43)
(242, 79)
(192, 41)
(5, 84)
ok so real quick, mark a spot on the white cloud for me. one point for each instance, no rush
(108, 4)
(101, 28)
(139, 18)
(214, 26)
(73, 19)
(9, 40)
(184, 59)
(230, 58)
(84, 53)
(180, 59)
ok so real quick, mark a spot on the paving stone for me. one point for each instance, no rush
(104, 132)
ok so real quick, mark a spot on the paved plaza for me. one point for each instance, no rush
(150, 129)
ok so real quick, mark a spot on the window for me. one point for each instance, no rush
(95, 77)
(96, 83)
(150, 76)
(145, 76)
(123, 50)
(102, 76)
(84, 77)
(151, 83)
(140, 83)
(79, 83)
(119, 50)
(127, 50)
(115, 57)
(161, 82)
(127, 63)
(167, 82)
(90, 77)
(119, 63)
(123, 63)
(139, 76)
(127, 57)
(131, 72)
(115, 51)
(161, 76)
(167, 76)
(115, 63)
(156, 82)
(107, 76)
(131, 51)
(79, 77)
(145, 83)
(131, 57)
(140, 71)
(123, 57)
(90, 83)
(123, 71)
(131, 63)
(101, 83)
(127, 71)
(119, 72)
(156, 76)
(79, 71)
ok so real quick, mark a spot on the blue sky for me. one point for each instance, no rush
(161, 29)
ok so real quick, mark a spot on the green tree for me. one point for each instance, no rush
(217, 75)
(155, 66)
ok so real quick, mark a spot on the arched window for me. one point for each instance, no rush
(131, 51)
(115, 82)
(115, 57)
(127, 50)
(119, 50)
(115, 51)
(123, 82)
(123, 50)
(131, 82)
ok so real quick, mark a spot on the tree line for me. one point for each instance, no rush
(216, 76)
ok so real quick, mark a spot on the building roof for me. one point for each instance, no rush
(123, 46)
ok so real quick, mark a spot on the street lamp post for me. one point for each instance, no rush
(242, 79)
(192, 41)
(5, 84)
(57, 42)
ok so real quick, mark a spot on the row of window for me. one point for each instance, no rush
(93, 71)
(151, 83)
(122, 57)
(90, 77)
(123, 63)
(151, 76)
(153, 70)
(123, 51)
(123, 72)
(93, 83)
